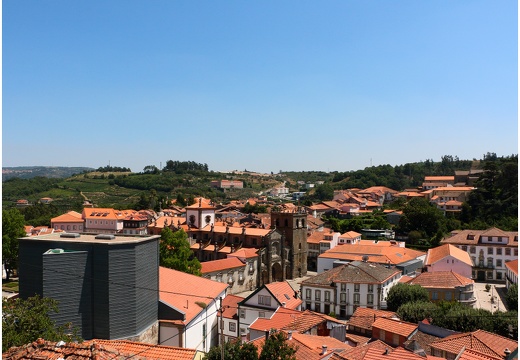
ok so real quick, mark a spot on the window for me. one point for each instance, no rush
(508, 251)
(242, 313)
(490, 262)
(317, 307)
(232, 327)
(499, 251)
(447, 295)
(370, 299)
(499, 275)
(264, 300)
(499, 262)
(308, 294)
(356, 299)
(327, 295)
(370, 288)
(464, 247)
(308, 306)
(343, 287)
(317, 295)
(435, 295)
(489, 274)
(473, 250)
(490, 251)
(261, 314)
(356, 287)
(342, 298)
(242, 330)
(516, 252)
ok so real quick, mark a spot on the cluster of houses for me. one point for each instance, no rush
(123, 302)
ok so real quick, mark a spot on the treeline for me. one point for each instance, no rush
(109, 168)
(16, 188)
(400, 177)
(181, 167)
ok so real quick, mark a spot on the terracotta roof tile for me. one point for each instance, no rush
(71, 216)
(469, 354)
(353, 272)
(480, 340)
(440, 279)
(473, 237)
(440, 252)
(230, 306)
(149, 351)
(184, 291)
(397, 354)
(221, 265)
(377, 253)
(279, 320)
(358, 352)
(245, 253)
(395, 326)
(309, 319)
(315, 343)
(365, 317)
(284, 293)
(358, 339)
(512, 265)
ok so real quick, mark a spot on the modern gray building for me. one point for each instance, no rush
(106, 285)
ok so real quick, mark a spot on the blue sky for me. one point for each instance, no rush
(263, 86)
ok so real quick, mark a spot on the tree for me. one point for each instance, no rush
(417, 311)
(12, 230)
(401, 294)
(422, 216)
(233, 351)
(175, 252)
(512, 297)
(324, 192)
(26, 320)
(277, 348)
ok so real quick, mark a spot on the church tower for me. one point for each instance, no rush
(293, 226)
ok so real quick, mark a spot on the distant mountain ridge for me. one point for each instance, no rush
(28, 172)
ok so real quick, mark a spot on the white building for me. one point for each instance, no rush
(489, 250)
(264, 302)
(343, 289)
(188, 307)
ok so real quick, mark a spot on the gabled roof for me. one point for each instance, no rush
(201, 203)
(441, 252)
(512, 265)
(473, 237)
(306, 320)
(354, 272)
(184, 291)
(245, 253)
(377, 253)
(364, 317)
(350, 235)
(358, 352)
(148, 350)
(480, 340)
(397, 354)
(284, 293)
(221, 265)
(99, 350)
(440, 280)
(279, 320)
(395, 326)
(230, 306)
(469, 354)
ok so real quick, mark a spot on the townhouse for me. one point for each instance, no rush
(447, 286)
(232, 271)
(489, 250)
(343, 289)
(228, 314)
(448, 257)
(70, 221)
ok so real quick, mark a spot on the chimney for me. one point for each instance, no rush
(323, 349)
(387, 351)
(289, 335)
(266, 335)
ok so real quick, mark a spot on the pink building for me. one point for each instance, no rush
(449, 258)
(70, 221)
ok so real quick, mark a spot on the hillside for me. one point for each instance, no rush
(29, 172)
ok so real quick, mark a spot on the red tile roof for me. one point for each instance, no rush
(148, 350)
(469, 354)
(358, 352)
(307, 320)
(473, 237)
(395, 326)
(512, 265)
(284, 293)
(185, 291)
(221, 265)
(97, 349)
(230, 306)
(440, 280)
(71, 216)
(279, 320)
(397, 354)
(480, 340)
(245, 253)
(440, 252)
(365, 317)
(378, 253)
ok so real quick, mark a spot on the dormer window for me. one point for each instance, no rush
(471, 237)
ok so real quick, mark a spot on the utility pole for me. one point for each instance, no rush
(221, 330)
